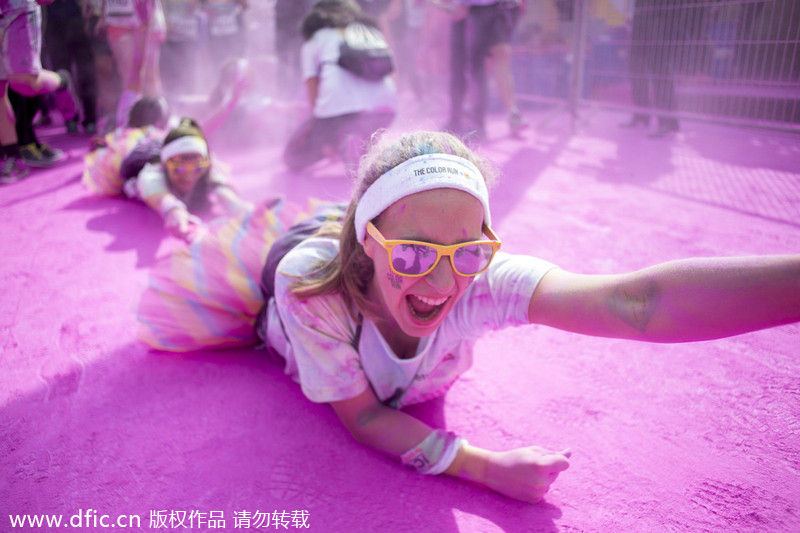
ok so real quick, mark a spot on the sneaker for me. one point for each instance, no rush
(72, 125)
(50, 152)
(66, 99)
(517, 123)
(35, 157)
(90, 128)
(12, 169)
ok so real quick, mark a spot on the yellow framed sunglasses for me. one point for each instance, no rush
(183, 167)
(415, 258)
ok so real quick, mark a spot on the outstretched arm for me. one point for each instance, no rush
(524, 474)
(678, 301)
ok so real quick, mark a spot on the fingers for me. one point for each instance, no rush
(551, 465)
(558, 463)
(194, 220)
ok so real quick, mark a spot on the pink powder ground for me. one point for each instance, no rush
(700, 437)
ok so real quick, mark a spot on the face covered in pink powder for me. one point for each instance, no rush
(417, 305)
(185, 170)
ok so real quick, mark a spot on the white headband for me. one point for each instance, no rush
(421, 173)
(188, 144)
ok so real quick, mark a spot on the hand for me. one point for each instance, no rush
(525, 473)
(182, 224)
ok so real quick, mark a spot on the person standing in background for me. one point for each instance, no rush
(21, 70)
(179, 51)
(109, 84)
(69, 46)
(33, 153)
(135, 30)
(651, 57)
(481, 31)
(346, 109)
(227, 32)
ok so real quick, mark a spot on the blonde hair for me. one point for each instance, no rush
(351, 270)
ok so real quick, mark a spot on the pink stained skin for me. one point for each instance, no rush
(185, 170)
(426, 217)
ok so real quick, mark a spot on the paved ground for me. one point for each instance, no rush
(701, 437)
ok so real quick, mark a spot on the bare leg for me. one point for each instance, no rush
(500, 55)
(27, 85)
(503, 78)
(8, 133)
(45, 82)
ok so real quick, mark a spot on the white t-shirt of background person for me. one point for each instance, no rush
(315, 336)
(341, 92)
(183, 23)
(125, 14)
(15, 7)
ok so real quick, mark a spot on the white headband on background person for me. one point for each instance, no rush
(188, 144)
(421, 173)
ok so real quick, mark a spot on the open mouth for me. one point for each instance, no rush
(424, 308)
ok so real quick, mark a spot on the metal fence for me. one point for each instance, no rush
(736, 61)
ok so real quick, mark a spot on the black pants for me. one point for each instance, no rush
(651, 60)
(25, 108)
(471, 42)
(68, 46)
(346, 135)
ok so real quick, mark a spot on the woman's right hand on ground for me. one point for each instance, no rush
(182, 224)
(525, 473)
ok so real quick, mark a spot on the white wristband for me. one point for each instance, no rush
(435, 454)
(169, 203)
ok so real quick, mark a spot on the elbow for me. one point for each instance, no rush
(361, 426)
(634, 303)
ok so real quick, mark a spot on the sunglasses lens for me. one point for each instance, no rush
(473, 258)
(413, 259)
(183, 168)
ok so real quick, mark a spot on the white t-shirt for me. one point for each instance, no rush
(152, 182)
(183, 23)
(341, 92)
(315, 336)
(129, 14)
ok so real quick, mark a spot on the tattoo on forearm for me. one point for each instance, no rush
(635, 303)
(366, 416)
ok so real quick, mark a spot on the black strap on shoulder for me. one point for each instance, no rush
(283, 245)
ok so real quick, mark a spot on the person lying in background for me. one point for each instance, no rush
(179, 179)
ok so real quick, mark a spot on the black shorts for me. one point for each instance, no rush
(491, 25)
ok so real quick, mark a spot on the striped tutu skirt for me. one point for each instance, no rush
(208, 294)
(101, 169)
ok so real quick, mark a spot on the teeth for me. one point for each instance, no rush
(431, 301)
